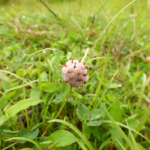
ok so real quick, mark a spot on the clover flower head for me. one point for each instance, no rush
(74, 73)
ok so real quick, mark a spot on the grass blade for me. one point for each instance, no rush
(118, 128)
(141, 94)
(25, 139)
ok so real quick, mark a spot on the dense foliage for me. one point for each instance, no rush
(39, 111)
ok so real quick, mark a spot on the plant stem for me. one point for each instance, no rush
(64, 100)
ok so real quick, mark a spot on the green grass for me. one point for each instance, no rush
(38, 110)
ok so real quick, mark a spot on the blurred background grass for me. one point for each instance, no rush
(75, 15)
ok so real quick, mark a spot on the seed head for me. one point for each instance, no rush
(75, 73)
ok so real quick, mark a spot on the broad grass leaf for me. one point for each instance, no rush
(58, 98)
(63, 138)
(21, 105)
(83, 112)
(35, 93)
(109, 97)
(116, 135)
(55, 59)
(4, 77)
(12, 121)
(44, 76)
(98, 132)
(3, 119)
(21, 72)
(86, 130)
(50, 87)
(94, 123)
(25, 139)
(31, 135)
(133, 124)
(37, 126)
(116, 112)
(6, 85)
(11, 94)
(140, 147)
(96, 114)
(43, 142)
(5, 136)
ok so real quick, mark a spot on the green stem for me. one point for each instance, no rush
(74, 114)
(141, 94)
(64, 100)
(99, 86)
